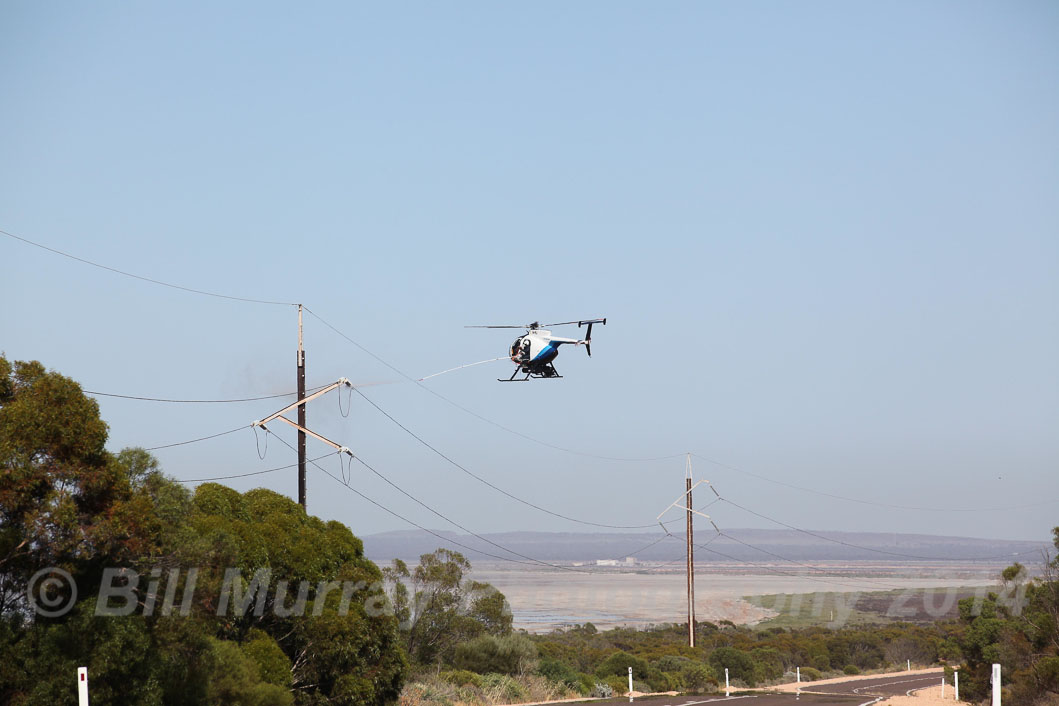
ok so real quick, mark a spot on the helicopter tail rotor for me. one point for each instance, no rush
(588, 335)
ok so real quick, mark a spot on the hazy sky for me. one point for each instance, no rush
(825, 235)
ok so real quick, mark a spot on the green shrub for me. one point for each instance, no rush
(821, 662)
(511, 654)
(559, 672)
(462, 677)
(810, 674)
(619, 685)
(618, 664)
(850, 669)
(672, 663)
(740, 665)
(503, 687)
(698, 678)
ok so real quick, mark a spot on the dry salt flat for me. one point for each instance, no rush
(544, 600)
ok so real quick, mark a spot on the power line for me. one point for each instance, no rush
(193, 441)
(161, 399)
(486, 482)
(863, 548)
(443, 538)
(457, 524)
(244, 475)
(452, 522)
(875, 503)
(203, 292)
(645, 459)
(141, 277)
(772, 569)
(798, 563)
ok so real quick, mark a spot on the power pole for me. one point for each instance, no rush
(691, 557)
(683, 503)
(301, 412)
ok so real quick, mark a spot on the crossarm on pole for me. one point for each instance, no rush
(337, 447)
(323, 391)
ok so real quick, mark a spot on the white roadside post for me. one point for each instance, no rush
(82, 686)
(996, 684)
(956, 682)
(726, 691)
(943, 686)
(630, 681)
(910, 665)
(799, 674)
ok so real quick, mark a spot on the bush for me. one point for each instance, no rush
(821, 662)
(850, 669)
(601, 691)
(672, 663)
(462, 677)
(618, 664)
(501, 688)
(511, 654)
(810, 674)
(559, 672)
(586, 683)
(740, 665)
(618, 685)
(697, 677)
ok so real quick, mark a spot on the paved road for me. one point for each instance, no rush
(851, 693)
(888, 686)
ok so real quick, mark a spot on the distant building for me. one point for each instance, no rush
(606, 562)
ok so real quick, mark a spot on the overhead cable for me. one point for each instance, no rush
(443, 538)
(162, 399)
(193, 441)
(876, 503)
(869, 549)
(141, 277)
(441, 515)
(486, 482)
(245, 475)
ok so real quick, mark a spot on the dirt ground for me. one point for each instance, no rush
(930, 696)
(808, 685)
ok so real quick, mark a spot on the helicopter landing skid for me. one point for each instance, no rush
(554, 376)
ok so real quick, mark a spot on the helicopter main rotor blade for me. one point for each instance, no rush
(579, 322)
(527, 326)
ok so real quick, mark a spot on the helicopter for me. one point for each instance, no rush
(534, 351)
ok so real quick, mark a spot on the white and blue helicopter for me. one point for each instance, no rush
(534, 351)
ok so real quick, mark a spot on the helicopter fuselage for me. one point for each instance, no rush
(535, 350)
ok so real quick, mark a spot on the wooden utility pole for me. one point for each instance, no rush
(301, 412)
(691, 558)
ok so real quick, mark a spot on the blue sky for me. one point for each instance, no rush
(825, 235)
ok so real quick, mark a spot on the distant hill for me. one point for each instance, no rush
(828, 546)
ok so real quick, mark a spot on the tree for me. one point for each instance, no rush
(66, 502)
(441, 607)
(1017, 627)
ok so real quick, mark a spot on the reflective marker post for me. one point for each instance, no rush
(726, 682)
(956, 683)
(996, 684)
(82, 686)
(630, 681)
